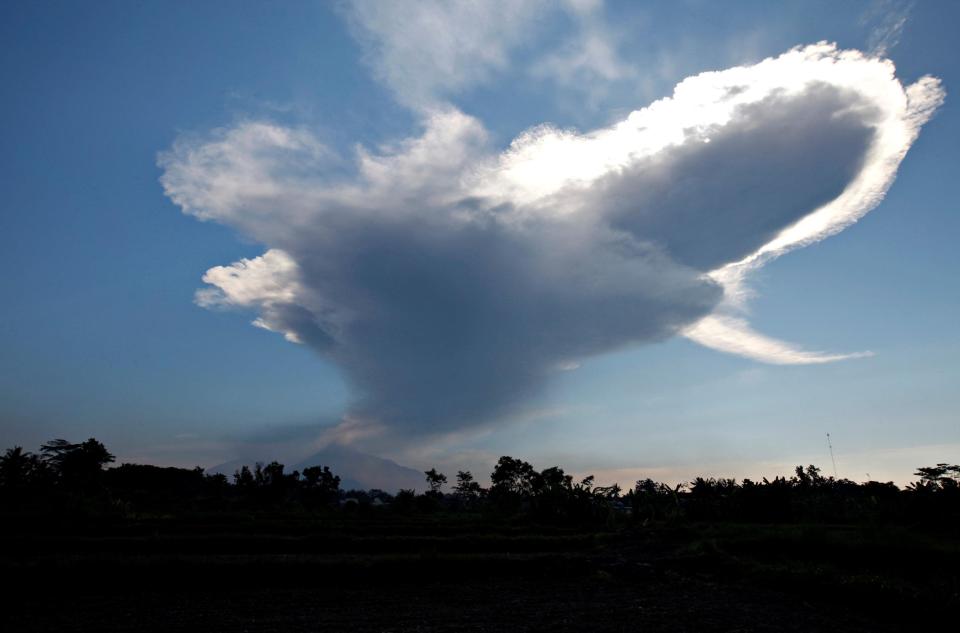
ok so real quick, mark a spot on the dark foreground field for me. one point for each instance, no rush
(458, 574)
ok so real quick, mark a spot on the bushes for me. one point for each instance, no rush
(806, 497)
(71, 478)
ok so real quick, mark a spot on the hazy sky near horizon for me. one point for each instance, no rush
(464, 231)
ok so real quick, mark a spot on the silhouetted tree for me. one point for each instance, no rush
(71, 479)
(217, 481)
(466, 488)
(76, 465)
(18, 469)
(435, 480)
(942, 476)
(653, 501)
(552, 481)
(320, 477)
(513, 477)
(321, 484)
(405, 500)
(244, 479)
(273, 476)
(608, 492)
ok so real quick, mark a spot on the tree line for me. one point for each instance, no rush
(74, 478)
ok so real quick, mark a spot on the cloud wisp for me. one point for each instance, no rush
(888, 19)
(430, 51)
(427, 51)
(449, 281)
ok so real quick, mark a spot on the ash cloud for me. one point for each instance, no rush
(449, 281)
(771, 164)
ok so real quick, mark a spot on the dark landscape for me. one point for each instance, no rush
(136, 547)
(477, 316)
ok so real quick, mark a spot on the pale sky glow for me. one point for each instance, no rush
(619, 237)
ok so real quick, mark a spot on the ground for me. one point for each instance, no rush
(428, 575)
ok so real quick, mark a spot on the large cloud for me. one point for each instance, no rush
(448, 281)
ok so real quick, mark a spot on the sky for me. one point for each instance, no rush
(664, 239)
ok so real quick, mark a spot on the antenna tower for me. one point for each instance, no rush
(830, 445)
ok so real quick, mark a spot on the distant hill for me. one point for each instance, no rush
(356, 469)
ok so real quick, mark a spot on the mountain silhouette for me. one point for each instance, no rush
(357, 470)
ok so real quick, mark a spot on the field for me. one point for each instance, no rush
(385, 572)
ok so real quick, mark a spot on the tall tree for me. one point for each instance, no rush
(76, 464)
(435, 480)
(466, 487)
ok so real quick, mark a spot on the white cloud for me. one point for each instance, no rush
(253, 175)
(449, 281)
(427, 51)
(588, 60)
(735, 336)
(269, 278)
(260, 283)
(888, 17)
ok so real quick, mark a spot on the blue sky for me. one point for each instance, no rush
(101, 334)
